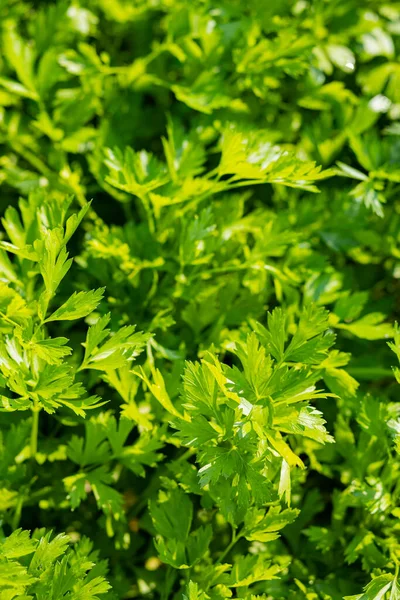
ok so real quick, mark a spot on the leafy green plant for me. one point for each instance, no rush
(199, 266)
(31, 567)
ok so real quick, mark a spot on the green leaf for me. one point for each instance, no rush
(172, 514)
(47, 552)
(94, 449)
(264, 526)
(251, 569)
(13, 575)
(377, 588)
(52, 350)
(120, 349)
(17, 544)
(369, 327)
(21, 57)
(193, 592)
(79, 305)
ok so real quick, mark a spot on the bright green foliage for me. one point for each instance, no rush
(44, 566)
(199, 267)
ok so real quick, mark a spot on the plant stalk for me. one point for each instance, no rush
(34, 432)
(235, 538)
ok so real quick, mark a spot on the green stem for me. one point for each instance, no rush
(235, 538)
(34, 431)
(4, 316)
(18, 510)
(190, 452)
(367, 373)
(149, 212)
(42, 168)
(164, 593)
(396, 573)
(32, 159)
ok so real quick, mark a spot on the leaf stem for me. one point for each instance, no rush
(235, 538)
(6, 318)
(34, 431)
(190, 452)
(18, 510)
(170, 576)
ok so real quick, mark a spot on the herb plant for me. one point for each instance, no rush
(199, 279)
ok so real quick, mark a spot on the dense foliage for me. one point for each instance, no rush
(199, 279)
